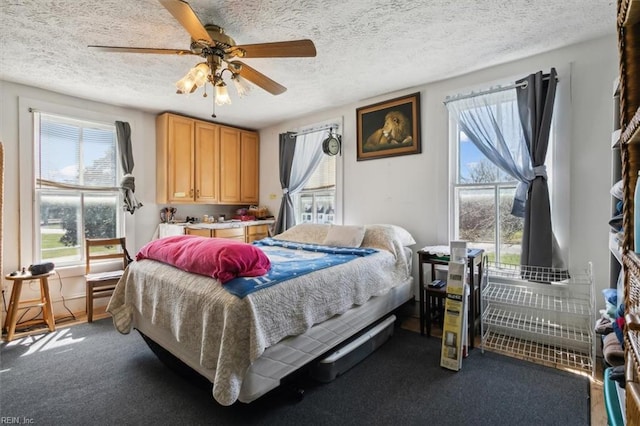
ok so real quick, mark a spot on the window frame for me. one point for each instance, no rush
(29, 248)
(455, 186)
(81, 193)
(313, 215)
(495, 188)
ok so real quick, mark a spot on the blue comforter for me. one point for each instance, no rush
(291, 260)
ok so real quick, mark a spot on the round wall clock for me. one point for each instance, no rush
(331, 145)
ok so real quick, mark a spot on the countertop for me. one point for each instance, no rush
(224, 225)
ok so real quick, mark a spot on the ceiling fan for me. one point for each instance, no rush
(220, 52)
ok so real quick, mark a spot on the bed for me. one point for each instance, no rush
(246, 345)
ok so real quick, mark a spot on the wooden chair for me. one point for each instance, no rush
(102, 284)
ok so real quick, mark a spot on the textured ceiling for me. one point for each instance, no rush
(364, 48)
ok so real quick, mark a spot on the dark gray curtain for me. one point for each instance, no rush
(286, 216)
(535, 107)
(128, 185)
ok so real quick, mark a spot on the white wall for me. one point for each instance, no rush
(413, 191)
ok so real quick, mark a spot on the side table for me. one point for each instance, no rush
(430, 296)
(15, 304)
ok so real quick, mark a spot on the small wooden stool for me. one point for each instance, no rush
(16, 304)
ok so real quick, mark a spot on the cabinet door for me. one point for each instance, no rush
(207, 162)
(198, 231)
(249, 167)
(180, 159)
(230, 165)
(231, 233)
(257, 232)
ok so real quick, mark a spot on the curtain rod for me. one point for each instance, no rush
(490, 90)
(314, 129)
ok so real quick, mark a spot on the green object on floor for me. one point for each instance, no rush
(611, 401)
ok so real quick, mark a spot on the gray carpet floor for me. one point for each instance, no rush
(90, 374)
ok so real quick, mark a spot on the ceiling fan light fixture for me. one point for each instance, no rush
(195, 78)
(200, 73)
(222, 94)
(242, 86)
(185, 85)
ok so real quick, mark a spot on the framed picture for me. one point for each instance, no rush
(389, 128)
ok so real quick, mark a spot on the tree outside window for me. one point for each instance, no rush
(483, 197)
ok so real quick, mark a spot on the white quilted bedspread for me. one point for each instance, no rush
(230, 333)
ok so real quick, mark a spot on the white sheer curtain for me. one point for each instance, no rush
(306, 158)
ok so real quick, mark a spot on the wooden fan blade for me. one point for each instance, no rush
(258, 78)
(141, 50)
(187, 18)
(279, 49)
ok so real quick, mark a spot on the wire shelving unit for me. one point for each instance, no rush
(542, 315)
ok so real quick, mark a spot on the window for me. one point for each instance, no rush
(76, 186)
(483, 196)
(316, 202)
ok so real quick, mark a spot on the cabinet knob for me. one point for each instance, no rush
(191, 192)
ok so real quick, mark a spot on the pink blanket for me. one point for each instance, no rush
(220, 258)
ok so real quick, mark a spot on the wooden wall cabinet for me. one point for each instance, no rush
(239, 166)
(249, 167)
(175, 154)
(205, 163)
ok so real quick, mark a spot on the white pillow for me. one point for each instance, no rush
(381, 237)
(344, 236)
(401, 235)
(309, 233)
(405, 238)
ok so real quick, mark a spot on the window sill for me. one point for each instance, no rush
(74, 271)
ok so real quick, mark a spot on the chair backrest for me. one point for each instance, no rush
(100, 249)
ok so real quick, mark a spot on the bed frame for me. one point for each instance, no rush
(290, 354)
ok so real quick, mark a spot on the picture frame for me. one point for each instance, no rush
(389, 128)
